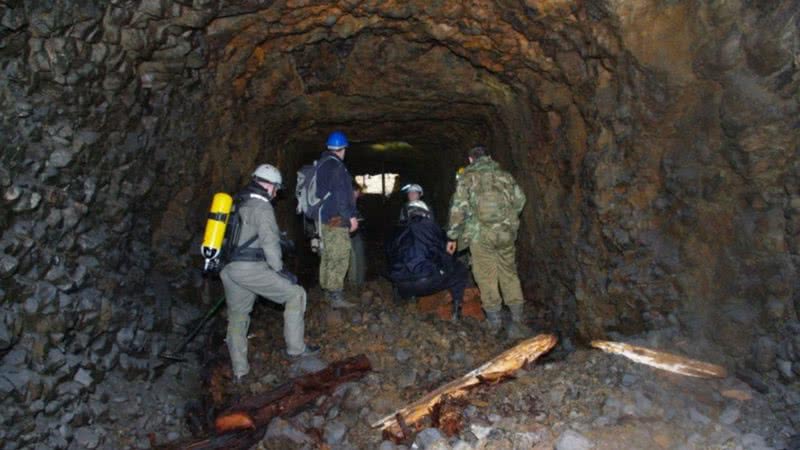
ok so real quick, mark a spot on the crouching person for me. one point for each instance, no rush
(255, 268)
(418, 260)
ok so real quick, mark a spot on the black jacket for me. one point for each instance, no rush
(418, 250)
(333, 177)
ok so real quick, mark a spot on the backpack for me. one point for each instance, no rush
(493, 198)
(308, 203)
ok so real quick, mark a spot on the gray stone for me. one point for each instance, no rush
(28, 202)
(8, 265)
(431, 438)
(752, 441)
(785, 370)
(60, 158)
(572, 440)
(402, 355)
(629, 379)
(307, 365)
(764, 354)
(408, 377)
(556, 394)
(698, 417)
(730, 415)
(355, 398)
(334, 432)
(464, 445)
(87, 437)
(281, 429)
(387, 445)
(18, 379)
(12, 193)
(16, 357)
(84, 377)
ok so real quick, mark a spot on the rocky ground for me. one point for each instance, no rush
(579, 400)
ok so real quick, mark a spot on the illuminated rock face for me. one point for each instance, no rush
(656, 141)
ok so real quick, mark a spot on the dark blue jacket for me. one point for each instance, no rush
(333, 177)
(417, 251)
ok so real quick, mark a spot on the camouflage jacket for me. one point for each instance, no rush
(486, 197)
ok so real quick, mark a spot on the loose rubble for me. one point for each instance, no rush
(583, 400)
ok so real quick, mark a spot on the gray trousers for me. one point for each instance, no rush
(243, 281)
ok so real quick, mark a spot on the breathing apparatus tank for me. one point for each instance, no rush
(215, 229)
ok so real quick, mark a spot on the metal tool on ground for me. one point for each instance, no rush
(177, 355)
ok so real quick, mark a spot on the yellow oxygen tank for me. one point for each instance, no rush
(215, 228)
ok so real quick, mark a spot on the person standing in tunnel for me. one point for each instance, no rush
(484, 215)
(255, 268)
(338, 217)
(414, 193)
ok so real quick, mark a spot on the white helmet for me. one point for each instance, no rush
(269, 174)
(412, 188)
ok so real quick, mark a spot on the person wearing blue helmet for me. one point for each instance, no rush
(338, 217)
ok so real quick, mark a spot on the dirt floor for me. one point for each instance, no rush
(584, 399)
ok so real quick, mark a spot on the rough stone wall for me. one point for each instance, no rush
(99, 117)
(690, 183)
(657, 143)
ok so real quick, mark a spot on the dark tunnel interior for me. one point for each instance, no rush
(657, 144)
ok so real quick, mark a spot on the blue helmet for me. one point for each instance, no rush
(337, 141)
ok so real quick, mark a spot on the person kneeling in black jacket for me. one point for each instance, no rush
(418, 261)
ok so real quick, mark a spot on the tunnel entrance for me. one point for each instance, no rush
(656, 143)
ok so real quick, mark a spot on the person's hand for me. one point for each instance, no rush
(451, 247)
(353, 224)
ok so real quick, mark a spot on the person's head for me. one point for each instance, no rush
(413, 191)
(337, 143)
(268, 177)
(476, 152)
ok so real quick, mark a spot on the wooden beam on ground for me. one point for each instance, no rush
(241, 425)
(502, 366)
(663, 360)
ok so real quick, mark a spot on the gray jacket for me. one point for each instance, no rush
(258, 218)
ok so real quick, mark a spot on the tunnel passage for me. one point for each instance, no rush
(656, 142)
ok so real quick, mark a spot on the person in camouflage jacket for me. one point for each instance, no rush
(484, 216)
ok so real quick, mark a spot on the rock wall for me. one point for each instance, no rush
(657, 143)
(98, 125)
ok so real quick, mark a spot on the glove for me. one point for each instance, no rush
(288, 275)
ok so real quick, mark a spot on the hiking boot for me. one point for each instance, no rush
(311, 350)
(337, 300)
(517, 328)
(493, 321)
(242, 380)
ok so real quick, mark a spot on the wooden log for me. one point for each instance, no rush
(496, 369)
(663, 360)
(241, 425)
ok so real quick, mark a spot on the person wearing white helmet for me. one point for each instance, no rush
(418, 262)
(414, 193)
(255, 269)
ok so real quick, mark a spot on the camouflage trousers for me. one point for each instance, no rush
(494, 265)
(335, 258)
(243, 281)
